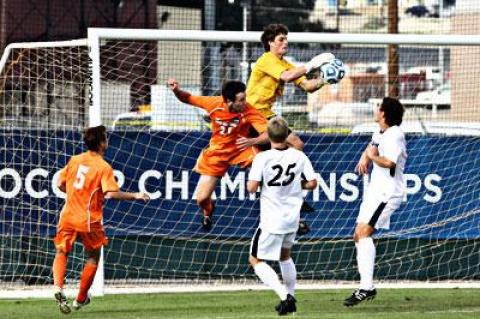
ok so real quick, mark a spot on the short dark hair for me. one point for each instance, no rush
(393, 111)
(231, 88)
(277, 129)
(270, 32)
(94, 136)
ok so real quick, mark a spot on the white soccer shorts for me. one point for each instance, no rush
(266, 246)
(376, 212)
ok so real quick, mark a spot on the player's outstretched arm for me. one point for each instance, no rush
(175, 87)
(314, 63)
(293, 74)
(245, 142)
(127, 196)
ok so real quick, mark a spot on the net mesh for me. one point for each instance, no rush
(154, 142)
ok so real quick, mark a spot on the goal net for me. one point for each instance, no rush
(50, 92)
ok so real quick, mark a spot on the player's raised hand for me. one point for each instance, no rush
(318, 60)
(142, 196)
(173, 84)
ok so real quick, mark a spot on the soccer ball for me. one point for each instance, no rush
(333, 71)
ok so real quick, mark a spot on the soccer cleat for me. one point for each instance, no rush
(207, 223)
(77, 305)
(62, 302)
(303, 228)
(286, 306)
(360, 295)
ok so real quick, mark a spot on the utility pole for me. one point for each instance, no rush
(247, 9)
(393, 78)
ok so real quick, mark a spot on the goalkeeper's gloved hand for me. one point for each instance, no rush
(318, 60)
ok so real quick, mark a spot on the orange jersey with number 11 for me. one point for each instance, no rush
(227, 127)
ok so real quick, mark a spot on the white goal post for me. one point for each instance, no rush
(51, 91)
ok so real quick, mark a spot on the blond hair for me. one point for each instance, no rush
(277, 129)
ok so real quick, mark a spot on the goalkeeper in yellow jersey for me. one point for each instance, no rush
(269, 75)
(272, 71)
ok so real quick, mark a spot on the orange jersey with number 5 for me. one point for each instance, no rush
(87, 177)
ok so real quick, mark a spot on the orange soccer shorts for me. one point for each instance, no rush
(211, 163)
(92, 240)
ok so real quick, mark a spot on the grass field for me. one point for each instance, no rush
(390, 303)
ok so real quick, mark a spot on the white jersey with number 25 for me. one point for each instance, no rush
(280, 172)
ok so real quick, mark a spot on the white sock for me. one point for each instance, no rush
(289, 275)
(366, 262)
(268, 276)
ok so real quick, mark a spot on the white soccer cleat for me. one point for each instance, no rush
(79, 305)
(62, 302)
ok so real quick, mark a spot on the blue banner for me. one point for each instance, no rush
(442, 175)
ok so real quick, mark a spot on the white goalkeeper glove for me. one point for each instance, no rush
(318, 60)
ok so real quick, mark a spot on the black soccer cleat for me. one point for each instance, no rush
(62, 301)
(358, 296)
(307, 208)
(303, 228)
(207, 223)
(77, 305)
(286, 306)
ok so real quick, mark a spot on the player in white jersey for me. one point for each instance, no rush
(386, 190)
(282, 172)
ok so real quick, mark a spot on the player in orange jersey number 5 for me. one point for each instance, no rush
(231, 119)
(87, 180)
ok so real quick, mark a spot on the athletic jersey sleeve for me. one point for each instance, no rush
(308, 171)
(257, 120)
(392, 147)
(256, 169)
(299, 80)
(375, 141)
(269, 66)
(108, 180)
(275, 68)
(208, 103)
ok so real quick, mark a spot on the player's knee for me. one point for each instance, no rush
(285, 254)
(253, 260)
(356, 238)
(361, 232)
(93, 256)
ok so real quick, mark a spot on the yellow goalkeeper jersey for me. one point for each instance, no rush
(264, 84)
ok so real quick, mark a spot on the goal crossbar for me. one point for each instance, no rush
(308, 37)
